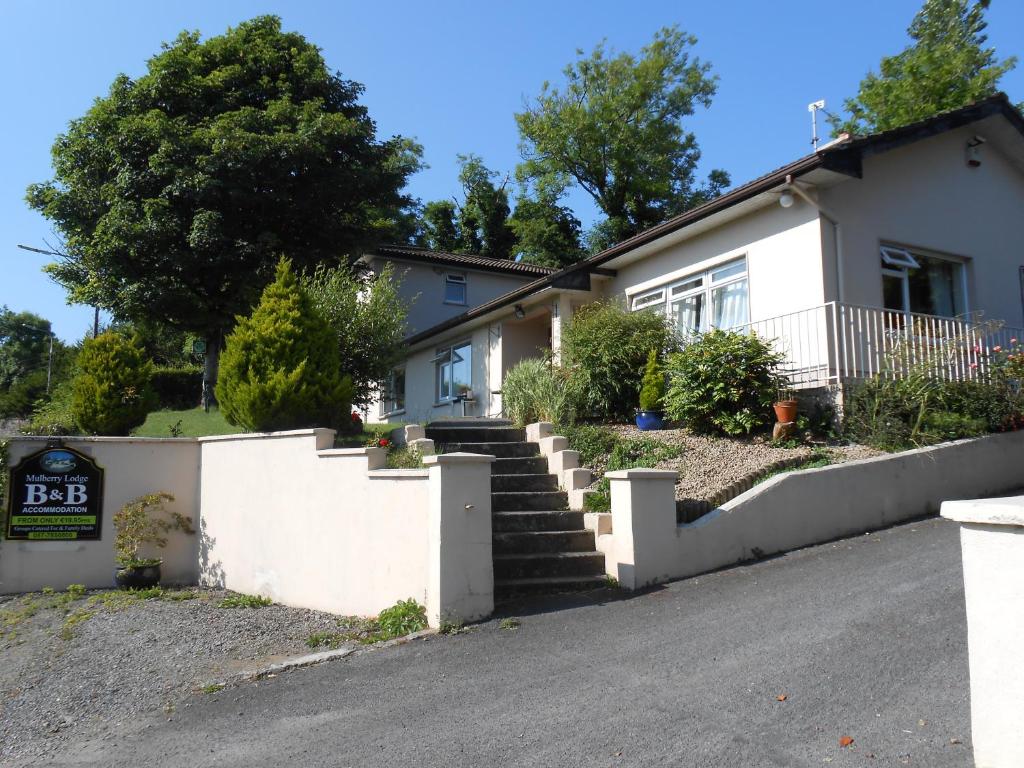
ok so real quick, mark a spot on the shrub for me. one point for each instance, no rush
(594, 443)
(111, 395)
(403, 618)
(177, 388)
(604, 349)
(280, 368)
(56, 415)
(631, 453)
(534, 391)
(723, 382)
(137, 524)
(21, 397)
(652, 388)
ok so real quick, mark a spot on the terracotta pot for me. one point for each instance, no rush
(785, 411)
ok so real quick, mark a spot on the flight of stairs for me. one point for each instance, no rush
(539, 544)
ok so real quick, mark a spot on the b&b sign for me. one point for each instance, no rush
(55, 494)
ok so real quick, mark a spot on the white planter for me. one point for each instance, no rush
(992, 542)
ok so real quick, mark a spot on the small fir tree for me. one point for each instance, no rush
(280, 369)
(652, 390)
(112, 393)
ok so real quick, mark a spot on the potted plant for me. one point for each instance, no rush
(137, 523)
(652, 392)
(785, 407)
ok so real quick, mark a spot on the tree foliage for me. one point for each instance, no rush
(111, 395)
(547, 233)
(652, 386)
(616, 130)
(947, 66)
(24, 345)
(280, 365)
(177, 191)
(368, 318)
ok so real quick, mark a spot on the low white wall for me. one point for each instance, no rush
(133, 467)
(286, 516)
(797, 509)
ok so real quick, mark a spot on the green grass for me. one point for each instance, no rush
(370, 431)
(194, 422)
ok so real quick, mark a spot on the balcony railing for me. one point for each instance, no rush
(829, 343)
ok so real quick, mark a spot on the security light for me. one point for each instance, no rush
(786, 200)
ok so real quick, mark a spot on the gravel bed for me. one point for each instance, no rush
(127, 660)
(710, 464)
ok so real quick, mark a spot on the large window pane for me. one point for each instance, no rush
(687, 313)
(892, 293)
(462, 365)
(729, 305)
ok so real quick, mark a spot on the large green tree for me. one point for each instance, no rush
(616, 131)
(547, 233)
(24, 345)
(178, 191)
(948, 65)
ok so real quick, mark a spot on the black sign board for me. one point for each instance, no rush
(55, 494)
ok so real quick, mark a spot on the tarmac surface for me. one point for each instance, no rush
(766, 664)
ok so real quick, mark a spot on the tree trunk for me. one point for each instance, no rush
(211, 364)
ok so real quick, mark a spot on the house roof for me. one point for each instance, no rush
(844, 156)
(464, 260)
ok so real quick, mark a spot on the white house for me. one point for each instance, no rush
(903, 242)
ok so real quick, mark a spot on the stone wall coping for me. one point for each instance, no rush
(643, 474)
(318, 431)
(95, 439)
(457, 458)
(364, 451)
(1008, 510)
(398, 474)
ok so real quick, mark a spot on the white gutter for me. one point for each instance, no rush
(792, 185)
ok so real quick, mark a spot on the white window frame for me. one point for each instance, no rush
(666, 294)
(387, 394)
(902, 259)
(444, 358)
(451, 278)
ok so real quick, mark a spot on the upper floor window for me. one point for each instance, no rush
(454, 289)
(393, 393)
(922, 283)
(717, 298)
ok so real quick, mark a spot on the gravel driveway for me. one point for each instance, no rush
(77, 665)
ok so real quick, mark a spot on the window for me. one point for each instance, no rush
(927, 285)
(713, 299)
(455, 289)
(453, 371)
(393, 393)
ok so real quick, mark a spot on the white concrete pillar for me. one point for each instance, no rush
(992, 546)
(460, 577)
(643, 526)
(561, 315)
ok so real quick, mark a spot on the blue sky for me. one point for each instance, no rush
(450, 74)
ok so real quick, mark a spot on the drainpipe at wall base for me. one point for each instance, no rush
(792, 185)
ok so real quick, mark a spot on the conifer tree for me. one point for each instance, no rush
(111, 395)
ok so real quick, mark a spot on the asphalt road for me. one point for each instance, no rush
(864, 638)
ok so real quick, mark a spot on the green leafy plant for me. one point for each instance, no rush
(177, 388)
(280, 369)
(111, 394)
(509, 623)
(593, 442)
(652, 387)
(604, 350)
(403, 618)
(56, 415)
(139, 522)
(724, 382)
(534, 390)
(245, 601)
(631, 453)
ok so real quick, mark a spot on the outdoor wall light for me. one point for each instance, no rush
(520, 312)
(786, 200)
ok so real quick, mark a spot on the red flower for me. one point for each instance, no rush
(355, 416)
(383, 442)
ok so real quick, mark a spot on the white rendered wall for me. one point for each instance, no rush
(132, 467)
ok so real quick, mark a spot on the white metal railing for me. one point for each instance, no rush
(831, 342)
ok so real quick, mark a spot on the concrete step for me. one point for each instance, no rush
(505, 589)
(503, 450)
(536, 465)
(513, 501)
(476, 434)
(469, 421)
(548, 564)
(511, 522)
(531, 482)
(536, 542)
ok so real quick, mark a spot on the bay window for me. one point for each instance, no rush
(453, 371)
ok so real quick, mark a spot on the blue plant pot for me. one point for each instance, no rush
(649, 420)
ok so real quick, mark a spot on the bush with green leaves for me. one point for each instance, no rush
(534, 390)
(723, 381)
(630, 453)
(604, 350)
(112, 393)
(56, 415)
(403, 618)
(280, 368)
(652, 387)
(177, 388)
(20, 399)
(593, 442)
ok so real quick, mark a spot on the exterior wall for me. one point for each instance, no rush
(422, 290)
(924, 195)
(796, 509)
(784, 260)
(132, 467)
(524, 339)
